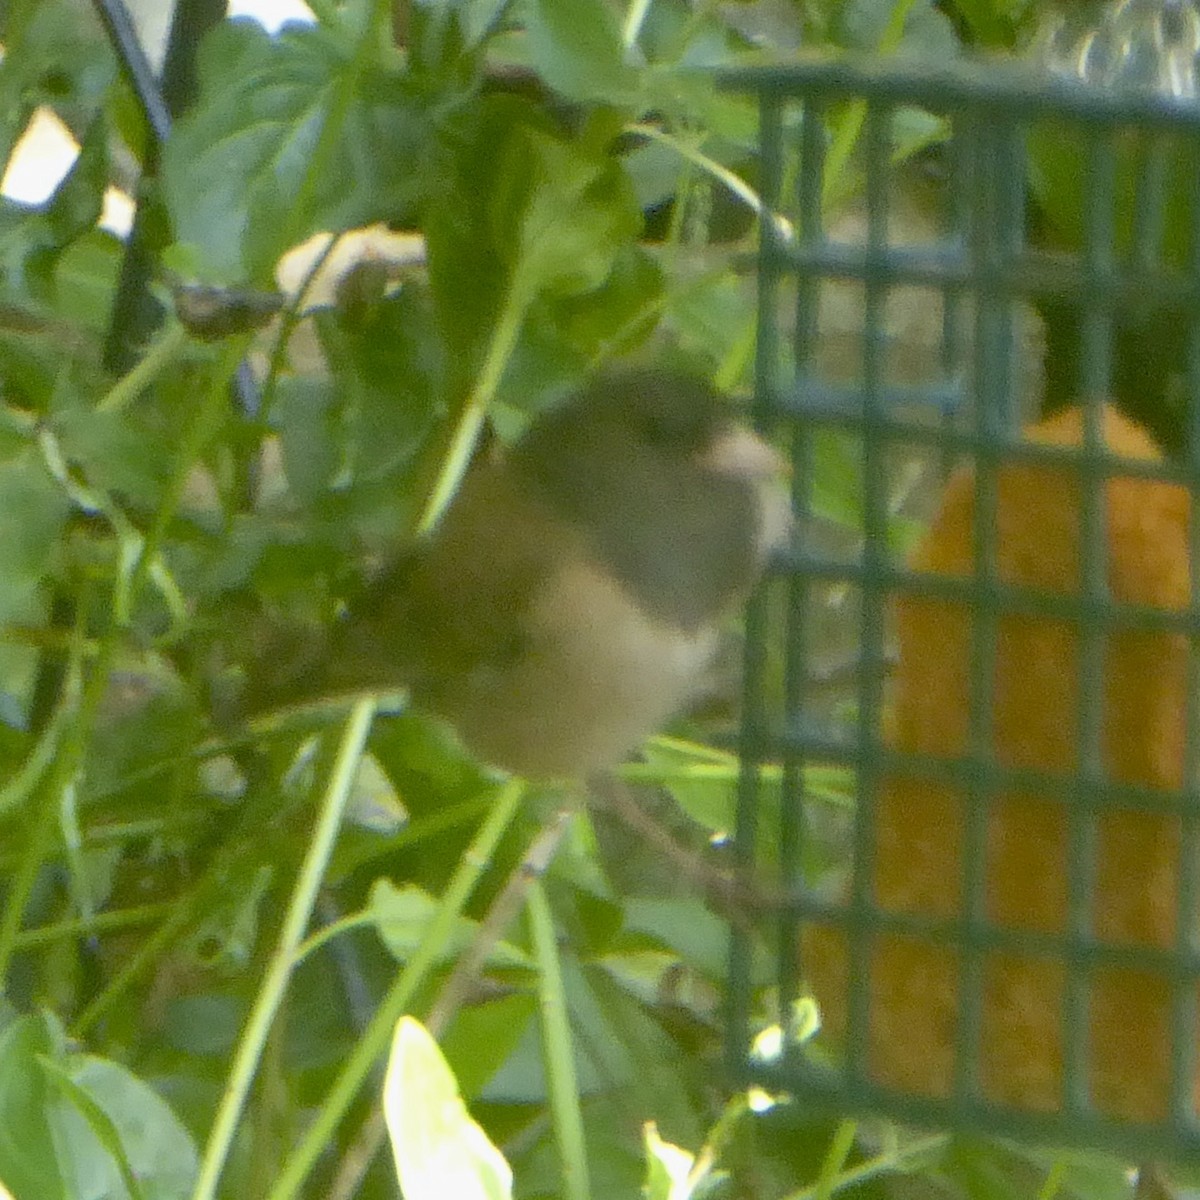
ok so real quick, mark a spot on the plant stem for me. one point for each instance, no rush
(851, 124)
(537, 857)
(1052, 1184)
(733, 183)
(557, 1050)
(835, 1159)
(378, 1035)
(892, 1160)
(470, 421)
(634, 20)
(274, 985)
(105, 922)
(163, 351)
(201, 427)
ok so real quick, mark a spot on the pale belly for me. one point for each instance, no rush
(600, 678)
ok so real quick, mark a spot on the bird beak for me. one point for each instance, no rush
(744, 455)
(739, 452)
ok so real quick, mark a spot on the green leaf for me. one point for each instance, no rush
(402, 916)
(1059, 171)
(572, 212)
(148, 718)
(116, 1136)
(711, 314)
(28, 1165)
(703, 786)
(119, 452)
(467, 247)
(306, 417)
(85, 277)
(619, 315)
(235, 170)
(438, 1149)
(105, 1157)
(33, 240)
(576, 47)
(76, 204)
(483, 1035)
(388, 374)
(33, 511)
(687, 927)
(1082, 1174)
(927, 31)
(203, 1025)
(56, 55)
(373, 803)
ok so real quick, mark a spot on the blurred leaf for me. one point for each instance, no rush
(571, 212)
(654, 170)
(388, 378)
(403, 915)
(203, 1024)
(1060, 169)
(33, 511)
(995, 23)
(76, 204)
(227, 934)
(687, 927)
(33, 239)
(56, 55)
(468, 250)
(615, 1038)
(91, 1142)
(927, 30)
(619, 315)
(28, 1164)
(439, 1151)
(148, 719)
(235, 168)
(306, 416)
(704, 787)
(104, 1113)
(576, 48)
(374, 804)
(483, 1035)
(711, 314)
(85, 278)
(1081, 1174)
(988, 1170)
(119, 452)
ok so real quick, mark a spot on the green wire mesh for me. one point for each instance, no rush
(1125, 171)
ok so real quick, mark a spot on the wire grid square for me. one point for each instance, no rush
(954, 1007)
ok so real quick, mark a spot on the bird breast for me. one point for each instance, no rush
(589, 640)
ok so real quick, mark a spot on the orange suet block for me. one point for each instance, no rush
(921, 825)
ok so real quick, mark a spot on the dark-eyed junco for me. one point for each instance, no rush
(568, 604)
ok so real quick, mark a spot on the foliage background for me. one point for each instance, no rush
(583, 191)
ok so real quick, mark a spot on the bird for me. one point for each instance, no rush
(921, 823)
(569, 602)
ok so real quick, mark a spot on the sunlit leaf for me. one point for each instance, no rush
(668, 1167)
(439, 1150)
